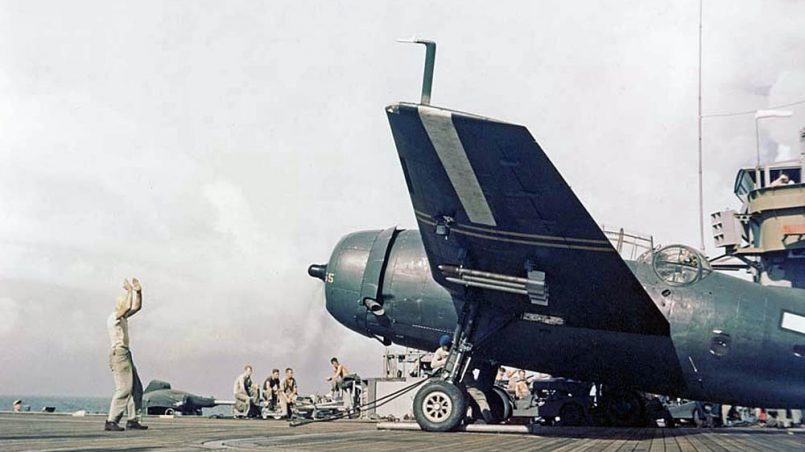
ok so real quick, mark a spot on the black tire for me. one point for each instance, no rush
(500, 408)
(698, 418)
(623, 408)
(439, 406)
(572, 415)
(474, 414)
(506, 403)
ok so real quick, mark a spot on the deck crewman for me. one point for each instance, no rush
(441, 353)
(336, 380)
(271, 389)
(244, 395)
(288, 393)
(128, 388)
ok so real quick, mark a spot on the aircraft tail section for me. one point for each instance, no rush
(488, 199)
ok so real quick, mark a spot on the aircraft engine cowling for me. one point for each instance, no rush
(378, 283)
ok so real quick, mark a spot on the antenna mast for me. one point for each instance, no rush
(701, 194)
(430, 61)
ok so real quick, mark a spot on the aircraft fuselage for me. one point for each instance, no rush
(727, 342)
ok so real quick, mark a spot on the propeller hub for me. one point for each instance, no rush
(317, 271)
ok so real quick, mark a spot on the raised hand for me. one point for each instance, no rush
(126, 285)
(136, 283)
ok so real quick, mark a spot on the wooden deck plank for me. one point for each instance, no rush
(53, 432)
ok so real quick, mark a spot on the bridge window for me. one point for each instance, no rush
(784, 176)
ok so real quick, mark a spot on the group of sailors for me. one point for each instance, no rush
(517, 382)
(276, 392)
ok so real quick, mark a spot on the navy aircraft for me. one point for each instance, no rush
(160, 398)
(509, 262)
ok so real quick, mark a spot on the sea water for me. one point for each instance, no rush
(68, 404)
(62, 404)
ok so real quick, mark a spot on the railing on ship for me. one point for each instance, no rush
(630, 245)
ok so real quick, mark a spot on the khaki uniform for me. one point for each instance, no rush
(242, 392)
(519, 387)
(128, 387)
(287, 395)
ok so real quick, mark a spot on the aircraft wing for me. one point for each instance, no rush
(498, 219)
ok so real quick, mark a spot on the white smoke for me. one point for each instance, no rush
(9, 313)
(784, 132)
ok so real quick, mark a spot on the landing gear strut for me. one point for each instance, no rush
(441, 404)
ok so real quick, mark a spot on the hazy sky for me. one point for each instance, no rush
(215, 149)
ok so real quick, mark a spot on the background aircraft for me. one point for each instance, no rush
(160, 398)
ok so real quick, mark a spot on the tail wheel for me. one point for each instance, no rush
(439, 406)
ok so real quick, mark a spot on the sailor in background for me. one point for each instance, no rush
(782, 180)
(336, 380)
(271, 389)
(242, 390)
(288, 393)
(441, 353)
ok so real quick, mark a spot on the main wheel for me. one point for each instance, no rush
(623, 408)
(698, 418)
(572, 415)
(500, 403)
(439, 406)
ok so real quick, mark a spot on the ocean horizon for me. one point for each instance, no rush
(71, 404)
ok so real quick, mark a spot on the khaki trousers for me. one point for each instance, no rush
(128, 387)
(286, 402)
(243, 404)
